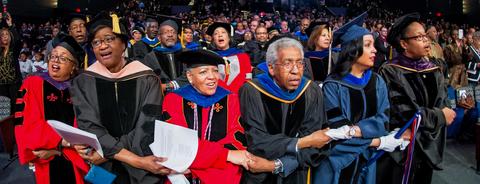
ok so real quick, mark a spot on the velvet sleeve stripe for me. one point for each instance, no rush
(334, 112)
(339, 123)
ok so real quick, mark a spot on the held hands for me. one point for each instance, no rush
(389, 142)
(239, 157)
(317, 139)
(339, 133)
(259, 164)
(45, 154)
(88, 154)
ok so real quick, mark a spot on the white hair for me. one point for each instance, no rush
(272, 51)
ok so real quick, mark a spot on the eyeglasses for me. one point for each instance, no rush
(421, 37)
(60, 59)
(290, 65)
(107, 40)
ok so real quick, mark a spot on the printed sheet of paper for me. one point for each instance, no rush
(178, 144)
(76, 136)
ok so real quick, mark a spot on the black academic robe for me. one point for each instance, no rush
(410, 91)
(118, 109)
(271, 124)
(166, 66)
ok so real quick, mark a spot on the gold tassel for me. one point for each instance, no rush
(85, 62)
(391, 53)
(227, 66)
(181, 39)
(309, 176)
(115, 24)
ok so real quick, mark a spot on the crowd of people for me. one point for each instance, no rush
(300, 96)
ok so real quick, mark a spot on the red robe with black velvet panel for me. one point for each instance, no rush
(210, 165)
(236, 72)
(36, 134)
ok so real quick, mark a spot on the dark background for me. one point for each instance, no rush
(460, 11)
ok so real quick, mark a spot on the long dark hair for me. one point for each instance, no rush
(351, 51)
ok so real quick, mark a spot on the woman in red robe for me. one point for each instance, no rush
(46, 96)
(215, 113)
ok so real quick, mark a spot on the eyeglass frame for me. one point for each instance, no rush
(59, 59)
(104, 40)
(417, 38)
(289, 68)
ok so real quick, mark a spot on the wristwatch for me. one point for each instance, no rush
(352, 131)
(278, 166)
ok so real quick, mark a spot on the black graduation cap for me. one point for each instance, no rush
(216, 25)
(400, 24)
(110, 20)
(139, 29)
(174, 22)
(313, 26)
(68, 42)
(353, 33)
(200, 57)
(359, 20)
(73, 16)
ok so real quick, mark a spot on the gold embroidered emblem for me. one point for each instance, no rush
(192, 105)
(218, 107)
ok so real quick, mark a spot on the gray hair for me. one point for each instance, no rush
(272, 51)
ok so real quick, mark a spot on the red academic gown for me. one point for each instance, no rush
(41, 102)
(236, 72)
(210, 165)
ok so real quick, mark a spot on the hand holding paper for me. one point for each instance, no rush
(178, 144)
(76, 136)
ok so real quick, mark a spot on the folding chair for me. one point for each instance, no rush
(7, 126)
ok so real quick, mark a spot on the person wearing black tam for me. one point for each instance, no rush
(46, 96)
(163, 58)
(114, 99)
(415, 84)
(356, 104)
(221, 34)
(220, 133)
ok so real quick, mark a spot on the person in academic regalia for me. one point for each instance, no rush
(237, 69)
(414, 84)
(356, 101)
(136, 36)
(187, 38)
(320, 38)
(46, 96)
(163, 58)
(116, 99)
(283, 116)
(77, 29)
(148, 42)
(215, 113)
